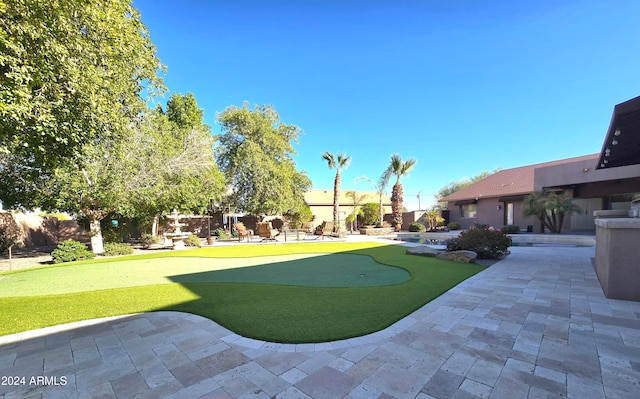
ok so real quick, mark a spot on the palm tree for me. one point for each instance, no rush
(356, 202)
(399, 169)
(380, 187)
(550, 208)
(338, 162)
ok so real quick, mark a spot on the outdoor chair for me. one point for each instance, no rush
(266, 231)
(243, 232)
(325, 230)
(307, 228)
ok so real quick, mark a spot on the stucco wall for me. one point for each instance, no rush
(582, 172)
(323, 213)
(617, 262)
(488, 213)
(36, 231)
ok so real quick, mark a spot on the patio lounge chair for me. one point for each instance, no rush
(307, 228)
(266, 231)
(325, 230)
(243, 232)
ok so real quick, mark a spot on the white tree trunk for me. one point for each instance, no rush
(154, 227)
(95, 232)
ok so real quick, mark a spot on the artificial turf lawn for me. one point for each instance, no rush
(317, 270)
(271, 312)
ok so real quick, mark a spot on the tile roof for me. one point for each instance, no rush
(507, 182)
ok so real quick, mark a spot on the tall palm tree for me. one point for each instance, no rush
(338, 162)
(356, 203)
(400, 169)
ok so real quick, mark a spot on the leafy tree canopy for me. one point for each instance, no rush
(165, 167)
(255, 152)
(184, 113)
(158, 167)
(72, 73)
(454, 186)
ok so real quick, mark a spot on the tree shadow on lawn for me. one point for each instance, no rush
(328, 270)
(266, 311)
(308, 314)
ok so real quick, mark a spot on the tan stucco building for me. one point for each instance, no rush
(321, 204)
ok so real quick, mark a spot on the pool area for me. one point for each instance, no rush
(518, 240)
(420, 240)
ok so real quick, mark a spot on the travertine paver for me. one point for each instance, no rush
(535, 325)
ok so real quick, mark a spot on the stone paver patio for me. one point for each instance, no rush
(535, 325)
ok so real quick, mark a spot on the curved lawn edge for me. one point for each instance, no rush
(283, 314)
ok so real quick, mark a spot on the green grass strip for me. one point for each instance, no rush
(270, 312)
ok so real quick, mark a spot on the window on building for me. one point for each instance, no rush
(509, 213)
(468, 211)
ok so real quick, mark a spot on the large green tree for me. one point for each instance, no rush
(255, 152)
(93, 188)
(337, 162)
(74, 77)
(169, 165)
(72, 73)
(157, 168)
(399, 168)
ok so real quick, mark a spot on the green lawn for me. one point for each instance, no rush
(283, 293)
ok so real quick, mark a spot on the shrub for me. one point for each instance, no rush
(220, 233)
(453, 226)
(370, 213)
(295, 218)
(192, 240)
(480, 226)
(452, 244)
(147, 240)
(69, 251)
(110, 236)
(510, 229)
(417, 227)
(486, 243)
(115, 249)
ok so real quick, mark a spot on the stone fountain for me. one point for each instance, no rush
(177, 236)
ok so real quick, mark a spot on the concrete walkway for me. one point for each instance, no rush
(535, 325)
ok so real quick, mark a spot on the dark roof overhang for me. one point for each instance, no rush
(512, 198)
(622, 144)
(466, 202)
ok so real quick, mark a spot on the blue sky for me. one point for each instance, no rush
(461, 86)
